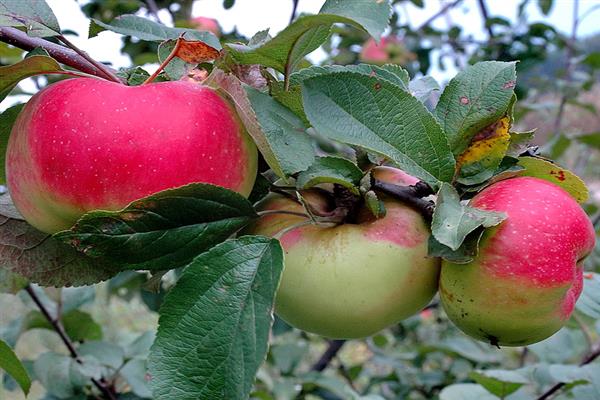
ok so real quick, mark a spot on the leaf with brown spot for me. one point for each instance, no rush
(195, 51)
(485, 152)
(543, 169)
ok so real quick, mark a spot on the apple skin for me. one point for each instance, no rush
(352, 280)
(390, 49)
(85, 144)
(522, 286)
(206, 24)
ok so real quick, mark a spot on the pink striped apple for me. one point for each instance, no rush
(523, 285)
(84, 144)
(354, 279)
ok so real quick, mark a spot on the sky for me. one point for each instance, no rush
(251, 16)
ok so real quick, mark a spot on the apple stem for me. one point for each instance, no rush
(167, 60)
(101, 67)
(410, 195)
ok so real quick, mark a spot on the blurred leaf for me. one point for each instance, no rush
(11, 364)
(288, 356)
(284, 132)
(10, 282)
(78, 325)
(145, 29)
(7, 120)
(591, 139)
(107, 354)
(134, 372)
(227, 4)
(545, 6)
(373, 16)
(140, 347)
(567, 345)
(589, 302)
(592, 60)
(474, 99)
(33, 15)
(469, 349)
(542, 169)
(331, 170)
(215, 322)
(453, 221)
(466, 391)
(75, 297)
(499, 382)
(162, 231)
(422, 88)
(381, 117)
(57, 374)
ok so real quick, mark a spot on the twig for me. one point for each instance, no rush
(59, 329)
(294, 10)
(60, 53)
(438, 14)
(153, 9)
(485, 16)
(523, 356)
(101, 67)
(167, 60)
(588, 358)
(332, 349)
(410, 195)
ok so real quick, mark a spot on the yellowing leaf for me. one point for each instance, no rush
(195, 51)
(485, 152)
(540, 168)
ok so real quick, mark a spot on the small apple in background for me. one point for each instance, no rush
(85, 144)
(354, 279)
(390, 49)
(523, 284)
(206, 24)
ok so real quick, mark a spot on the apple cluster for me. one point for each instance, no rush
(86, 144)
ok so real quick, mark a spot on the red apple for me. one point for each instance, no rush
(389, 49)
(523, 285)
(354, 279)
(206, 24)
(84, 144)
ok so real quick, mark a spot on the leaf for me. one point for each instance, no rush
(499, 382)
(373, 16)
(44, 260)
(466, 252)
(542, 169)
(10, 282)
(591, 139)
(107, 354)
(422, 88)
(7, 119)
(145, 29)
(480, 160)
(11, 75)
(381, 117)
(466, 391)
(589, 302)
(188, 53)
(164, 230)
(545, 6)
(474, 99)
(13, 367)
(307, 33)
(134, 372)
(214, 324)
(469, 349)
(134, 76)
(78, 325)
(284, 132)
(60, 375)
(33, 15)
(453, 221)
(331, 170)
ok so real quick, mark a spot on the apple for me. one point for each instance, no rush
(353, 279)
(389, 49)
(85, 144)
(206, 24)
(522, 286)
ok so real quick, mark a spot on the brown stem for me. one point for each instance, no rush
(332, 349)
(588, 358)
(153, 9)
(485, 16)
(410, 195)
(59, 329)
(60, 53)
(101, 67)
(167, 60)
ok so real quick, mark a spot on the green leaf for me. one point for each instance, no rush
(543, 169)
(469, 349)
(107, 354)
(176, 68)
(164, 230)
(466, 391)
(10, 282)
(331, 170)
(7, 119)
(307, 33)
(545, 6)
(591, 139)
(499, 382)
(589, 302)
(44, 260)
(381, 117)
(11, 364)
(33, 15)
(422, 88)
(466, 252)
(284, 131)
(394, 74)
(145, 29)
(78, 325)
(60, 375)
(134, 372)
(214, 324)
(373, 16)
(474, 99)
(11, 75)
(134, 76)
(453, 221)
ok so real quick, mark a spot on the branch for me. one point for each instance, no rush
(58, 328)
(60, 53)
(587, 359)
(101, 67)
(153, 10)
(410, 195)
(485, 15)
(294, 10)
(331, 351)
(438, 14)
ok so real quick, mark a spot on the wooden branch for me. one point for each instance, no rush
(329, 354)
